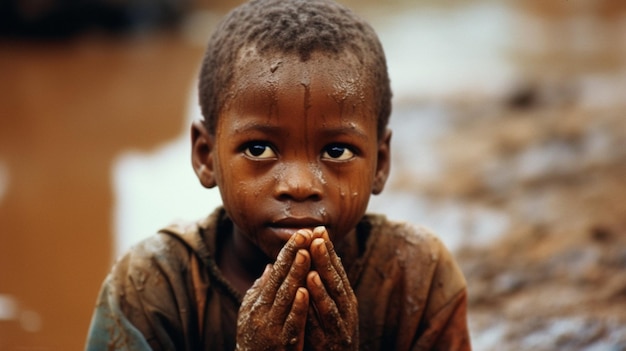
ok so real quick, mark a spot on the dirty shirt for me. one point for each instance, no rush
(167, 293)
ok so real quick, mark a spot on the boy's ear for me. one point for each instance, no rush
(383, 164)
(202, 146)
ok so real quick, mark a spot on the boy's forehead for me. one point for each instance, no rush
(341, 75)
(269, 87)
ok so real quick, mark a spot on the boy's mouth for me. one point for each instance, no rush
(286, 227)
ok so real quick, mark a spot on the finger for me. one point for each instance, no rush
(299, 240)
(294, 327)
(254, 291)
(288, 289)
(314, 332)
(265, 276)
(333, 277)
(320, 232)
(327, 311)
(330, 273)
(284, 261)
(334, 258)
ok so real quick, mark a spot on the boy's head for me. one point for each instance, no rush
(298, 27)
(295, 97)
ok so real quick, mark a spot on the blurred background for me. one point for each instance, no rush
(509, 142)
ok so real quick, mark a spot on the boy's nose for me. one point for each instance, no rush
(299, 182)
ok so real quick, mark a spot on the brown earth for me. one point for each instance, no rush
(557, 278)
(550, 154)
(66, 110)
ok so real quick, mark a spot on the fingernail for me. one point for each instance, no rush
(321, 245)
(300, 257)
(317, 280)
(319, 230)
(300, 238)
(300, 294)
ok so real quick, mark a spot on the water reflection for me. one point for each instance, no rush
(154, 189)
(67, 108)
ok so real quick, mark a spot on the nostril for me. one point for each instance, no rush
(301, 193)
(315, 197)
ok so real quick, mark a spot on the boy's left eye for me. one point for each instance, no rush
(337, 153)
(259, 150)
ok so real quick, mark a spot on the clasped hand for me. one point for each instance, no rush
(303, 301)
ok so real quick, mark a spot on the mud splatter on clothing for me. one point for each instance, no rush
(167, 293)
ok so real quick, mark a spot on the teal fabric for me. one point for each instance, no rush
(110, 330)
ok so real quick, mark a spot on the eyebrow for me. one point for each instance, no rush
(255, 126)
(344, 130)
(274, 129)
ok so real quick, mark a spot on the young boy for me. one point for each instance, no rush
(296, 99)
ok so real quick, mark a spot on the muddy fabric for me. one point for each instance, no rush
(167, 293)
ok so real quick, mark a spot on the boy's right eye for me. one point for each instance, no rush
(259, 150)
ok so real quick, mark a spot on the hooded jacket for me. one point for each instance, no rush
(167, 292)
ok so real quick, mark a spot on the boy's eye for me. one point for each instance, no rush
(337, 153)
(259, 150)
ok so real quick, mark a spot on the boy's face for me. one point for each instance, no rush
(295, 147)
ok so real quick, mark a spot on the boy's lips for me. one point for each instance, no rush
(286, 227)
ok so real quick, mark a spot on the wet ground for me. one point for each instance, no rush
(521, 168)
(509, 141)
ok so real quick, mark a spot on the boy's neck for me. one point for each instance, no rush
(240, 262)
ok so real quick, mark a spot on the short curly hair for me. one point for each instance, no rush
(295, 27)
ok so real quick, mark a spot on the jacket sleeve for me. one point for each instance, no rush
(110, 329)
(447, 330)
(445, 324)
(148, 301)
